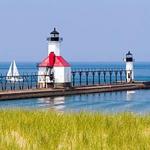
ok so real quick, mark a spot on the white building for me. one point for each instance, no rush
(54, 70)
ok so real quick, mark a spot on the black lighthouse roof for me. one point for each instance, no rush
(129, 57)
(54, 36)
(54, 31)
(129, 53)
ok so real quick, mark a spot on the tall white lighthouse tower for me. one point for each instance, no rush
(54, 69)
(54, 42)
(129, 67)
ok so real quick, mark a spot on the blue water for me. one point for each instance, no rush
(126, 101)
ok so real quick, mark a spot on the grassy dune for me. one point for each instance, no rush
(78, 131)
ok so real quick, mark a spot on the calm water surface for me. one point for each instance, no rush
(126, 101)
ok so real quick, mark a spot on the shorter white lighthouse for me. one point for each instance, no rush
(129, 67)
(54, 70)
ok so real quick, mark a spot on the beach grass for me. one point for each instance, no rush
(48, 130)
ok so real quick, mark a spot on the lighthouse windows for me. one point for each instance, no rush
(54, 35)
(129, 59)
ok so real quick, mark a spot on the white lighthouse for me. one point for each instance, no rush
(129, 67)
(56, 69)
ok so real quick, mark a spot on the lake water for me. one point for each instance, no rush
(126, 101)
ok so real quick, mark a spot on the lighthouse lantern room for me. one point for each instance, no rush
(129, 67)
(54, 70)
(54, 42)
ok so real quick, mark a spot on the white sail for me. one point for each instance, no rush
(15, 69)
(10, 71)
(13, 73)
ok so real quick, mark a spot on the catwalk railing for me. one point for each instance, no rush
(80, 77)
(86, 77)
(25, 81)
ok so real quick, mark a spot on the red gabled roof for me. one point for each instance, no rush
(45, 63)
(59, 62)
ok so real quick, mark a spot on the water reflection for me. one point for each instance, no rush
(56, 103)
(112, 102)
(130, 95)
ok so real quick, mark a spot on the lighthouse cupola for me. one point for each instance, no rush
(129, 57)
(54, 42)
(129, 67)
(54, 35)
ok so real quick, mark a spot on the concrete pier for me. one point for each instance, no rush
(38, 93)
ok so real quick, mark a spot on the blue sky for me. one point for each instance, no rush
(93, 30)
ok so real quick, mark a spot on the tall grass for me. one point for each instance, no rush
(20, 129)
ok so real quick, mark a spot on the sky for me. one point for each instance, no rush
(93, 30)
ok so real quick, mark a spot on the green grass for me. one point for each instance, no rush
(41, 130)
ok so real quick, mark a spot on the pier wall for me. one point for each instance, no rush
(38, 93)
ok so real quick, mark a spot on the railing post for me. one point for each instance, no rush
(104, 72)
(28, 81)
(45, 80)
(10, 84)
(36, 80)
(87, 76)
(99, 77)
(125, 75)
(110, 73)
(31, 82)
(1, 82)
(20, 85)
(116, 73)
(80, 77)
(73, 78)
(93, 74)
(121, 76)
(5, 85)
(23, 82)
(14, 85)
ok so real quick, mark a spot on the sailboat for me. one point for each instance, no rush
(13, 73)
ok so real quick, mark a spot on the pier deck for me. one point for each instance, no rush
(38, 93)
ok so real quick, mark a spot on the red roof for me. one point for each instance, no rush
(59, 62)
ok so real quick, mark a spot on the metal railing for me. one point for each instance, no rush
(82, 77)
(86, 77)
(21, 82)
